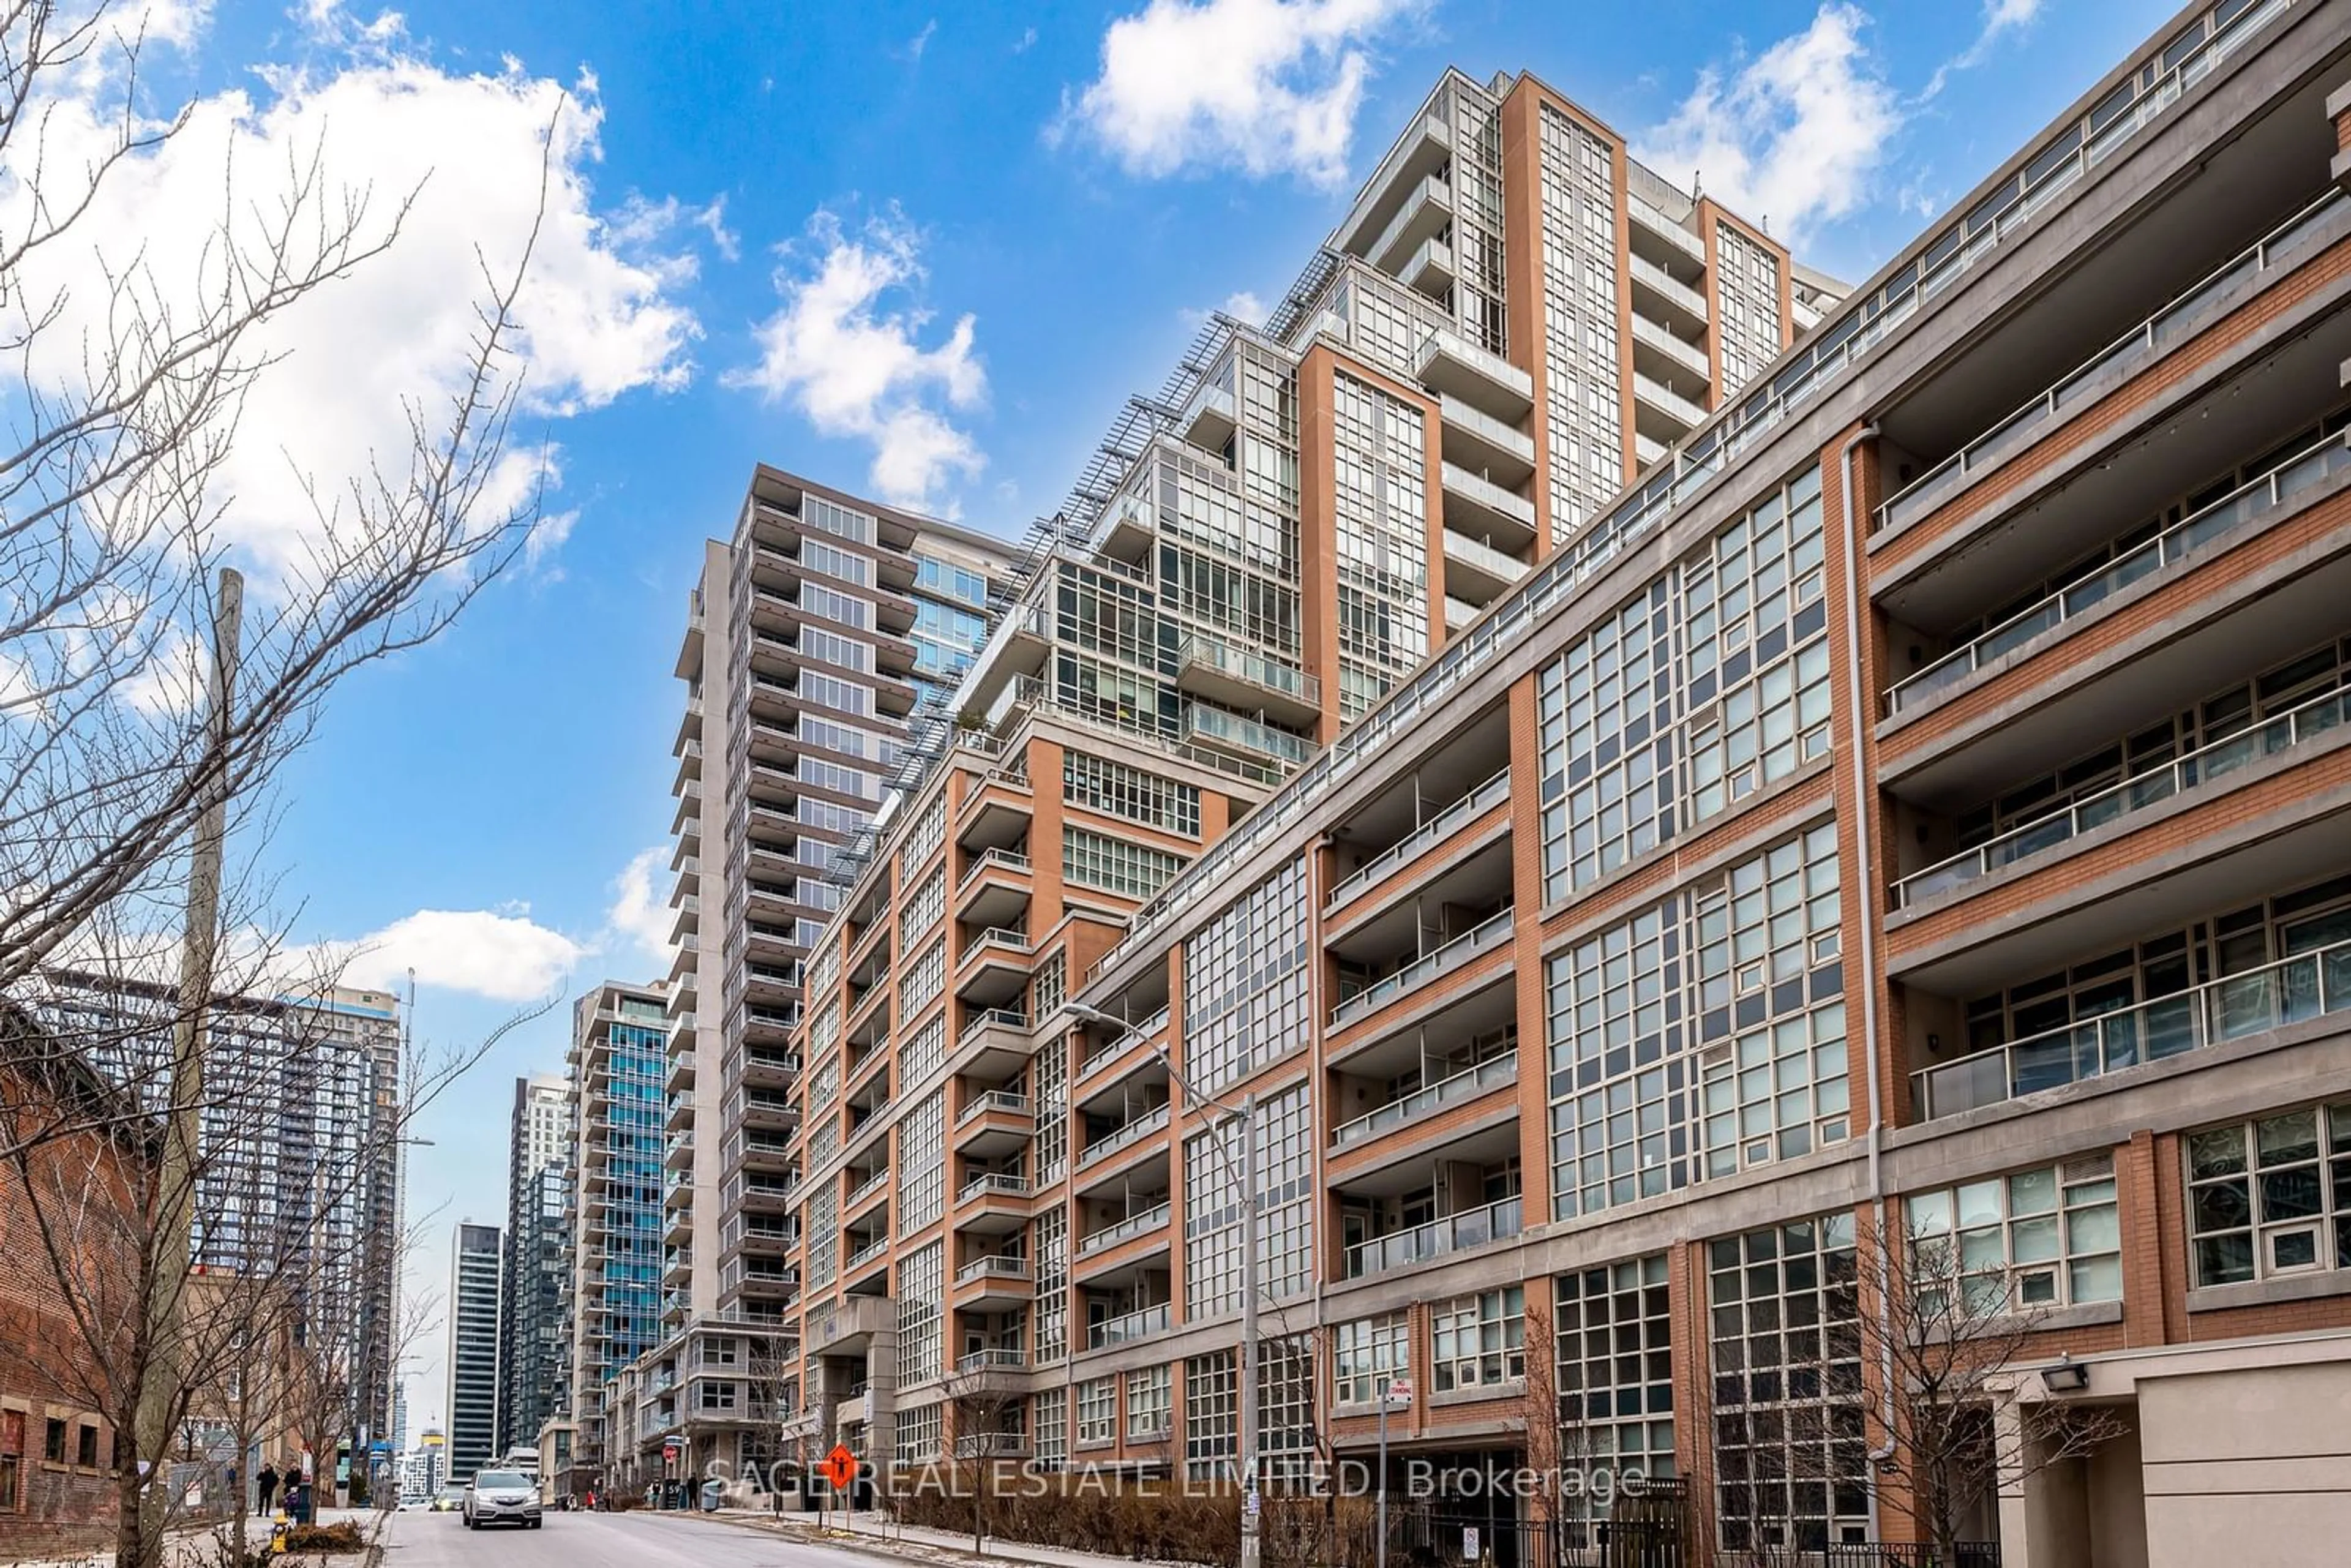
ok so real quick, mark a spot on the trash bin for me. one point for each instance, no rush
(711, 1492)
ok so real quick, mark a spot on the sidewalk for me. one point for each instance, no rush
(883, 1537)
(189, 1546)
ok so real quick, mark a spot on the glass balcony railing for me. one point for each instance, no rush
(2181, 316)
(1428, 967)
(1464, 1085)
(1454, 1233)
(2295, 727)
(1134, 1037)
(1475, 804)
(1212, 654)
(1215, 727)
(1125, 1329)
(1127, 1230)
(2225, 518)
(1134, 1132)
(2306, 986)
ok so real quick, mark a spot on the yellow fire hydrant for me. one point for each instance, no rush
(278, 1532)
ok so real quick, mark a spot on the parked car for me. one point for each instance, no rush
(501, 1497)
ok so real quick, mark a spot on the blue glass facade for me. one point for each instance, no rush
(631, 1264)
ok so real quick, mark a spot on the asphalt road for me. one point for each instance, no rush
(414, 1539)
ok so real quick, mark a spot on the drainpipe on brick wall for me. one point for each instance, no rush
(1863, 841)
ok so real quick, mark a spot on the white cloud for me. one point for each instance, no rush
(1793, 137)
(921, 40)
(853, 365)
(1999, 17)
(504, 955)
(639, 912)
(1245, 307)
(1026, 41)
(595, 321)
(1267, 87)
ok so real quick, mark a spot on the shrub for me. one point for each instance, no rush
(339, 1537)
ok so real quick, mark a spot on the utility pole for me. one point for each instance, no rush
(175, 1190)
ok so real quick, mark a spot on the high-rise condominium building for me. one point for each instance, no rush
(299, 1151)
(825, 637)
(620, 1039)
(474, 1266)
(534, 1340)
(1890, 854)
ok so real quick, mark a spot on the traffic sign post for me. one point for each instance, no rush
(1393, 1391)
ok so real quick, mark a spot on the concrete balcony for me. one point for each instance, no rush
(1430, 269)
(1125, 1137)
(1124, 1046)
(1458, 1232)
(994, 968)
(994, 1043)
(1650, 220)
(2237, 1007)
(1209, 667)
(1139, 1243)
(1661, 412)
(994, 1125)
(995, 1282)
(1481, 509)
(1441, 829)
(996, 812)
(1477, 572)
(1483, 444)
(1209, 419)
(1667, 356)
(846, 1325)
(994, 890)
(1660, 294)
(1425, 212)
(1424, 147)
(1406, 1110)
(992, 1373)
(1140, 1324)
(1237, 735)
(1490, 936)
(1451, 364)
(993, 1203)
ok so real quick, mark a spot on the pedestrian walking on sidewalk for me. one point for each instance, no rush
(267, 1481)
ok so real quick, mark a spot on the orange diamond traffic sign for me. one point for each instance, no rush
(840, 1468)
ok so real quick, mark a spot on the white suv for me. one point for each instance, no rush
(496, 1496)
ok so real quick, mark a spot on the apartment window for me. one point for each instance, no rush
(920, 1433)
(837, 520)
(847, 740)
(948, 581)
(12, 1460)
(1097, 1411)
(1053, 1097)
(53, 1440)
(1150, 1404)
(925, 978)
(1380, 500)
(1615, 1327)
(716, 1395)
(824, 1033)
(2038, 1239)
(925, 908)
(1051, 1424)
(1050, 986)
(1211, 1410)
(817, 774)
(1244, 982)
(824, 1084)
(719, 1352)
(1742, 971)
(1214, 1215)
(1791, 1450)
(833, 561)
(1051, 1236)
(833, 648)
(929, 832)
(1579, 328)
(1116, 865)
(2271, 1197)
(921, 1276)
(922, 1163)
(920, 1055)
(1479, 1341)
(1114, 788)
(1363, 1351)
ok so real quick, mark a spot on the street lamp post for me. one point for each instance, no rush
(1244, 1116)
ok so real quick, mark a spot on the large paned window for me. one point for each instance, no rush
(1702, 1035)
(1116, 789)
(1583, 391)
(1215, 1216)
(1245, 983)
(2271, 1197)
(1615, 1326)
(2030, 1240)
(921, 1276)
(1150, 1406)
(1380, 491)
(1051, 1231)
(1097, 1411)
(1792, 1456)
(922, 1163)
(1116, 865)
(1363, 1351)
(1211, 1414)
(1480, 1341)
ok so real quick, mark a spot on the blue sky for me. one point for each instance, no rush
(905, 247)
